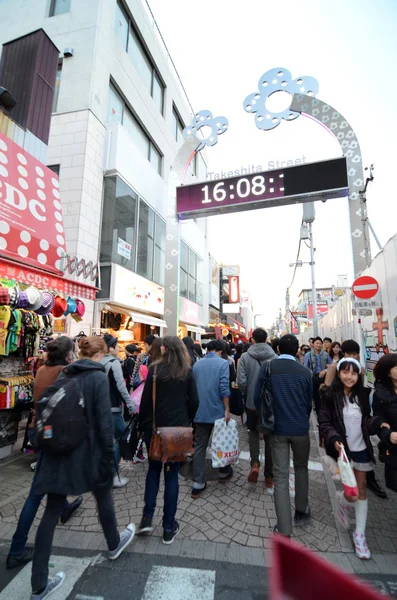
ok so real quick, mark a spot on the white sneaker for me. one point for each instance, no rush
(119, 482)
(53, 584)
(342, 512)
(360, 545)
(126, 538)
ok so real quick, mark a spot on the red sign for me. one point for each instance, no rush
(234, 289)
(365, 287)
(31, 222)
(46, 281)
(60, 326)
(321, 309)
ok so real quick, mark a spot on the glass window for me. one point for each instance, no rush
(136, 132)
(57, 86)
(155, 158)
(160, 233)
(140, 59)
(183, 283)
(159, 265)
(118, 238)
(158, 92)
(115, 107)
(191, 275)
(54, 168)
(192, 289)
(184, 256)
(177, 126)
(145, 241)
(121, 25)
(59, 7)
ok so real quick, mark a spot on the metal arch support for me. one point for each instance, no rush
(336, 124)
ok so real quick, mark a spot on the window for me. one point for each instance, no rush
(57, 86)
(59, 7)
(118, 112)
(177, 126)
(191, 275)
(145, 241)
(131, 42)
(159, 251)
(54, 168)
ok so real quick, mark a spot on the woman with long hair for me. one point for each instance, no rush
(345, 422)
(335, 352)
(176, 406)
(142, 359)
(385, 407)
(86, 468)
(189, 343)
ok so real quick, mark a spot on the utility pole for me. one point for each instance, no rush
(287, 312)
(308, 217)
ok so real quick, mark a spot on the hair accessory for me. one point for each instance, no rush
(351, 360)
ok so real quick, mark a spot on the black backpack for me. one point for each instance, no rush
(62, 423)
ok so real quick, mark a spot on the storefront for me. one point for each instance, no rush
(189, 319)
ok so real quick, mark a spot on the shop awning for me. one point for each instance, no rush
(136, 316)
(194, 329)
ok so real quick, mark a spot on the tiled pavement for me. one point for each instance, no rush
(233, 521)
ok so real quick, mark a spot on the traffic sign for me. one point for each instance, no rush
(365, 287)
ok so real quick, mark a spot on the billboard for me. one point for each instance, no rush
(31, 222)
(322, 308)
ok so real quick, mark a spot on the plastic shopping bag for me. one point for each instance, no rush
(225, 446)
(136, 396)
(347, 475)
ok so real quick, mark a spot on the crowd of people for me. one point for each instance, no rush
(91, 402)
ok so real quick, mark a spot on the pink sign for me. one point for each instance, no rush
(188, 311)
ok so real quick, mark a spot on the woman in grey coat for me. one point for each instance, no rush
(86, 468)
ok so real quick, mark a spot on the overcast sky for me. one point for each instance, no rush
(221, 48)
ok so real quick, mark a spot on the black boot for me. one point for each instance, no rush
(373, 485)
(69, 510)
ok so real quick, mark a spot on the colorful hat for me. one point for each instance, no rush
(60, 305)
(71, 306)
(23, 300)
(4, 296)
(80, 307)
(46, 305)
(34, 298)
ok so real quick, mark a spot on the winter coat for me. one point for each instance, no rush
(176, 402)
(89, 465)
(385, 407)
(248, 370)
(332, 426)
(128, 369)
(117, 387)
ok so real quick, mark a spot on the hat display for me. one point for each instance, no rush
(70, 306)
(60, 306)
(80, 307)
(23, 300)
(34, 298)
(46, 304)
(4, 296)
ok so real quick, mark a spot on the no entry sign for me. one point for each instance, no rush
(365, 287)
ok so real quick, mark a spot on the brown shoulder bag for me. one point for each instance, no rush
(169, 444)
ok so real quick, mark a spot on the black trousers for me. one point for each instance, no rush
(317, 381)
(45, 532)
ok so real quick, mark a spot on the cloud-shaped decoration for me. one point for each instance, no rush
(277, 80)
(204, 118)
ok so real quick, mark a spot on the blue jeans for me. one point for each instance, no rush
(118, 430)
(171, 490)
(26, 518)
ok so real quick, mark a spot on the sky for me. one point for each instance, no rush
(220, 49)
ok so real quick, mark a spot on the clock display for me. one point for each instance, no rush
(304, 183)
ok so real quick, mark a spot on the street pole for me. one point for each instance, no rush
(314, 292)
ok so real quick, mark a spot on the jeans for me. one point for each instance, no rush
(202, 436)
(118, 430)
(27, 516)
(281, 445)
(45, 532)
(254, 444)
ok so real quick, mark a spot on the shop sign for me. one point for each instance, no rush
(230, 271)
(218, 333)
(242, 330)
(130, 289)
(59, 325)
(234, 289)
(123, 248)
(321, 309)
(31, 222)
(46, 281)
(230, 308)
(188, 311)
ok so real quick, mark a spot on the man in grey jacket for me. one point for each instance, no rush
(247, 374)
(118, 395)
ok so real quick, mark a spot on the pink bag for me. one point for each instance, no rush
(143, 372)
(136, 396)
(347, 476)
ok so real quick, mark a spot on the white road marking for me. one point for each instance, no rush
(174, 583)
(74, 568)
(85, 597)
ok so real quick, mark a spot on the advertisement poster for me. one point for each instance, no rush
(123, 248)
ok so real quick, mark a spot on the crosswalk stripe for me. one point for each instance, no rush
(73, 567)
(175, 583)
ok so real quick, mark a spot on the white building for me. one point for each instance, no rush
(119, 112)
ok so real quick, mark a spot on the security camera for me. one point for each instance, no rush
(7, 100)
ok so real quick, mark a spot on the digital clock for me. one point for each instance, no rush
(303, 183)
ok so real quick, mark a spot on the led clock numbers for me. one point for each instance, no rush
(244, 187)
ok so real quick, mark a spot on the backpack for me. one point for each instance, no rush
(62, 423)
(266, 414)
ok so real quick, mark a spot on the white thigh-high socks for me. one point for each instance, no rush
(361, 508)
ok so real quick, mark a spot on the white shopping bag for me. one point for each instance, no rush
(225, 447)
(347, 475)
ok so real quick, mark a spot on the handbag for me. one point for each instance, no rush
(236, 402)
(266, 415)
(347, 476)
(169, 444)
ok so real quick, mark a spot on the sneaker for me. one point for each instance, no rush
(119, 482)
(126, 538)
(269, 483)
(196, 493)
(169, 536)
(276, 532)
(228, 476)
(360, 546)
(53, 584)
(17, 561)
(139, 457)
(254, 473)
(301, 518)
(69, 510)
(342, 512)
(145, 526)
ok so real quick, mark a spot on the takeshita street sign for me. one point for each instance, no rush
(305, 183)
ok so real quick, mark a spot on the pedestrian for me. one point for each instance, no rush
(189, 343)
(131, 353)
(59, 355)
(119, 396)
(301, 354)
(291, 390)
(212, 378)
(351, 349)
(247, 375)
(327, 344)
(317, 360)
(275, 343)
(143, 359)
(87, 468)
(385, 407)
(335, 352)
(176, 406)
(239, 352)
(198, 350)
(345, 422)
(311, 343)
